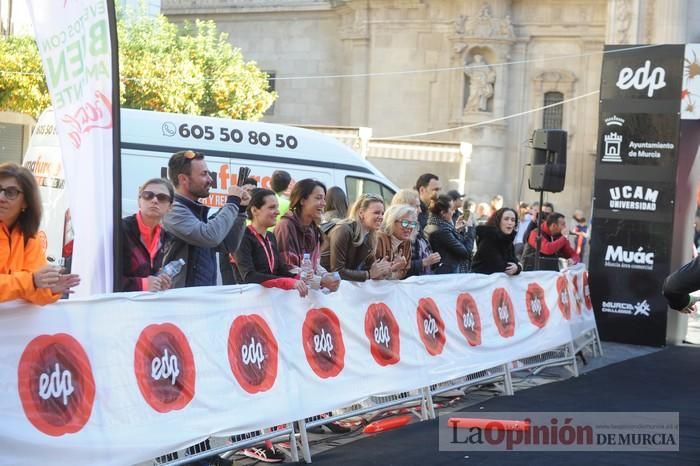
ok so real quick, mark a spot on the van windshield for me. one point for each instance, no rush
(356, 186)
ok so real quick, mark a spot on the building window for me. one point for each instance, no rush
(271, 75)
(552, 116)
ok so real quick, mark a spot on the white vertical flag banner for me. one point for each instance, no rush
(73, 37)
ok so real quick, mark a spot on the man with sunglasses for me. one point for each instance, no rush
(196, 237)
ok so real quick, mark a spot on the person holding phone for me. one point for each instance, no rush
(444, 238)
(193, 235)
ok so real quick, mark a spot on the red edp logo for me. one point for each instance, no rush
(503, 312)
(56, 385)
(537, 309)
(468, 319)
(164, 367)
(323, 342)
(382, 331)
(253, 353)
(431, 327)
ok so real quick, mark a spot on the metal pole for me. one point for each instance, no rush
(305, 450)
(539, 232)
(293, 444)
(116, 153)
(507, 379)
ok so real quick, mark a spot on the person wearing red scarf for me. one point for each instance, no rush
(143, 238)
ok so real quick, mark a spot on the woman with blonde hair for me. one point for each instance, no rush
(422, 257)
(399, 229)
(350, 249)
(24, 272)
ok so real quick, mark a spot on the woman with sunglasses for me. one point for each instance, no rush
(24, 273)
(399, 229)
(143, 238)
(495, 251)
(257, 258)
(352, 241)
(422, 257)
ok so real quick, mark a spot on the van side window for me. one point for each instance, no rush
(355, 186)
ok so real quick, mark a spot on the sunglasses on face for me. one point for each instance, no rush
(149, 195)
(371, 197)
(190, 154)
(408, 224)
(11, 192)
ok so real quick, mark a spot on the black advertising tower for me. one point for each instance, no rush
(636, 186)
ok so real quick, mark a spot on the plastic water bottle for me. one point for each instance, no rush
(173, 268)
(307, 269)
(336, 277)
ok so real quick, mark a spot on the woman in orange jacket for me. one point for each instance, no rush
(24, 273)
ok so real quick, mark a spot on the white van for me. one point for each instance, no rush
(43, 159)
(150, 138)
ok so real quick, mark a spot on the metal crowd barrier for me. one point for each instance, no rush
(477, 378)
(421, 399)
(589, 338)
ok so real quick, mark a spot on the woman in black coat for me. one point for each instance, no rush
(444, 238)
(494, 244)
(257, 258)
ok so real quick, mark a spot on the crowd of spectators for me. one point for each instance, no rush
(299, 236)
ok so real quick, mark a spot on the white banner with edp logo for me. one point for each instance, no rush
(118, 379)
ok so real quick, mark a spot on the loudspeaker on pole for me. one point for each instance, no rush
(548, 162)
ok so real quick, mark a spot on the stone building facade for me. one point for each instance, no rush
(419, 66)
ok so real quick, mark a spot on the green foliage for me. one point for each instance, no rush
(22, 83)
(192, 70)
